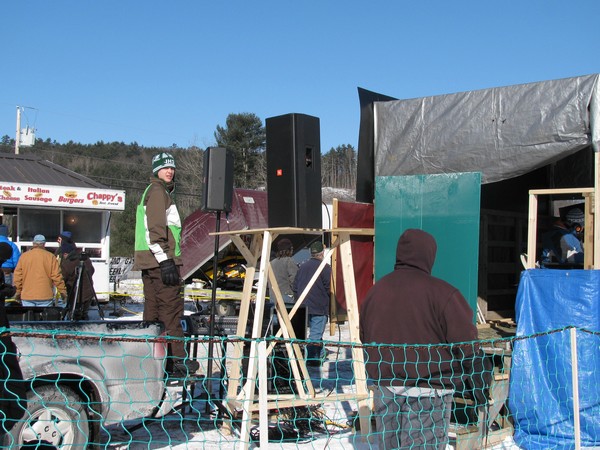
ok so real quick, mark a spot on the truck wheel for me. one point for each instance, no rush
(55, 416)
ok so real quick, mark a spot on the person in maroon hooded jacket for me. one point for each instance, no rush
(415, 383)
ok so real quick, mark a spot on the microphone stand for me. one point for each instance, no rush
(213, 306)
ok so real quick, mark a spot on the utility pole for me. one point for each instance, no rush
(18, 138)
(24, 138)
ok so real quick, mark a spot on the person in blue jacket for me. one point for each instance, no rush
(8, 266)
(561, 244)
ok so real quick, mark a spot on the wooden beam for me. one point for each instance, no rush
(560, 191)
(532, 231)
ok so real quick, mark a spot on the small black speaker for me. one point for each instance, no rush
(218, 180)
(294, 171)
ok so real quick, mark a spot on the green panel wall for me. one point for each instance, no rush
(445, 205)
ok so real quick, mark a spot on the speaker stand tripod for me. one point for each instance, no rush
(72, 304)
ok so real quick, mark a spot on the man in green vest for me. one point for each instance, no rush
(158, 256)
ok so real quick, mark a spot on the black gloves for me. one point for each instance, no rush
(169, 273)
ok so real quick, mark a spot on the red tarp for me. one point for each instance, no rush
(248, 211)
(356, 215)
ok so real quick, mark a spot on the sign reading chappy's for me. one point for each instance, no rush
(61, 196)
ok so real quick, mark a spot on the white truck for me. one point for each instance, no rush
(83, 376)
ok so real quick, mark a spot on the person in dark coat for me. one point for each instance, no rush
(316, 301)
(285, 269)
(415, 383)
(561, 243)
(71, 258)
(8, 266)
(65, 237)
(12, 388)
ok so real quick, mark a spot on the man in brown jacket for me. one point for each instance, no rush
(158, 256)
(35, 275)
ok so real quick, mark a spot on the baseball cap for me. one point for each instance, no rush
(39, 238)
(66, 234)
(316, 247)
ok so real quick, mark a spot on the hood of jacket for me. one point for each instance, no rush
(416, 248)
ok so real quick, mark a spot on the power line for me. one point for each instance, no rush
(145, 184)
(121, 180)
(106, 160)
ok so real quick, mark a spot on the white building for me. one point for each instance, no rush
(40, 197)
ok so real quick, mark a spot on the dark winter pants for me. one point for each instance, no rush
(165, 304)
(411, 422)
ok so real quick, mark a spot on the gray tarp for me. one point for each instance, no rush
(501, 132)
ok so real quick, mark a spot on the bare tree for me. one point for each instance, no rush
(338, 167)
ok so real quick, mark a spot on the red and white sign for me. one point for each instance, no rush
(61, 196)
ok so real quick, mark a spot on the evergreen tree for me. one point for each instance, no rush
(338, 167)
(244, 134)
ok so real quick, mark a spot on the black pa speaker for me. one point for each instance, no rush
(294, 171)
(218, 180)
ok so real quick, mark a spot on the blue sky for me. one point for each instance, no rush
(168, 72)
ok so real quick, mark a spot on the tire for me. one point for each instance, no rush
(55, 418)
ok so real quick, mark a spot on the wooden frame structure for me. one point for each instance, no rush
(591, 249)
(243, 397)
(591, 253)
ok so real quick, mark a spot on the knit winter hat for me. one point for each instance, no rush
(575, 216)
(3, 230)
(162, 160)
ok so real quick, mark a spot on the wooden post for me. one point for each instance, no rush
(259, 307)
(532, 231)
(358, 362)
(238, 347)
(596, 208)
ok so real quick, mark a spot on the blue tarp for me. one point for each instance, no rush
(541, 387)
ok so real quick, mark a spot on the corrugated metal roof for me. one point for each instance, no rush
(197, 247)
(33, 169)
